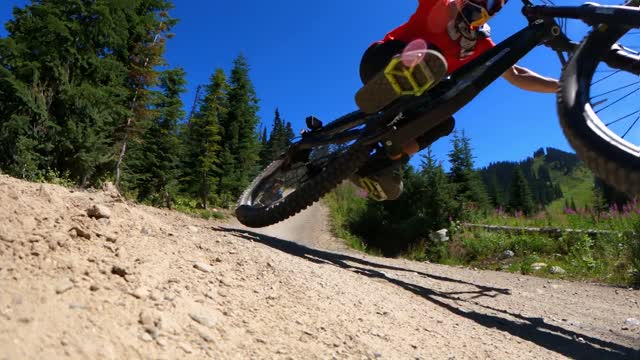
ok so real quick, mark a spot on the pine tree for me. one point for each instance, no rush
(204, 147)
(240, 141)
(599, 203)
(435, 203)
(69, 71)
(467, 185)
(520, 198)
(289, 135)
(496, 196)
(149, 25)
(279, 139)
(155, 162)
(63, 87)
(264, 150)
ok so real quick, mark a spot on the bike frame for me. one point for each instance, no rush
(395, 125)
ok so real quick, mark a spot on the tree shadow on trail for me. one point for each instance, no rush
(534, 330)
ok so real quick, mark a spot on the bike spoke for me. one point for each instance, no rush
(617, 101)
(622, 118)
(630, 127)
(606, 77)
(606, 71)
(614, 90)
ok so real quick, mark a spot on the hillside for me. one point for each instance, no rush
(555, 177)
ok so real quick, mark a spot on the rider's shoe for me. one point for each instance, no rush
(384, 184)
(380, 177)
(398, 80)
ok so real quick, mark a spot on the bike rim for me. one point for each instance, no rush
(614, 100)
(280, 179)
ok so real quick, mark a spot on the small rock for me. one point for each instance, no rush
(110, 189)
(146, 232)
(169, 296)
(94, 287)
(140, 293)
(146, 337)
(440, 235)
(162, 342)
(58, 238)
(153, 331)
(205, 320)
(6, 238)
(34, 239)
(25, 320)
(508, 254)
(63, 286)
(4, 234)
(205, 336)
(79, 232)
(149, 318)
(155, 295)
(78, 307)
(99, 212)
(185, 347)
(557, 270)
(203, 267)
(538, 266)
(118, 270)
(632, 322)
(192, 228)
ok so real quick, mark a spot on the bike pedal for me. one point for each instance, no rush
(409, 80)
(373, 188)
(397, 80)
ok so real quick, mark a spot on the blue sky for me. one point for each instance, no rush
(304, 59)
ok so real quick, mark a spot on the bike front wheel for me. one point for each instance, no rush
(598, 105)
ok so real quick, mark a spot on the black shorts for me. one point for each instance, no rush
(377, 57)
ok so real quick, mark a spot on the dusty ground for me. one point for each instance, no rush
(152, 284)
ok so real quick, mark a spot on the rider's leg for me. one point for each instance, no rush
(379, 91)
(376, 58)
(381, 178)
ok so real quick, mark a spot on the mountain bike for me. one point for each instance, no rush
(325, 155)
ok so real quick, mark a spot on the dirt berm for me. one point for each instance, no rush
(86, 275)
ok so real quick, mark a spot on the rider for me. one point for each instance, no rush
(456, 32)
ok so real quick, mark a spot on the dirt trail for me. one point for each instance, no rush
(152, 284)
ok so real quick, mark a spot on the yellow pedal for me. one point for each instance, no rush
(408, 81)
(373, 188)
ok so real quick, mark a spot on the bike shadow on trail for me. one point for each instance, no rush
(535, 330)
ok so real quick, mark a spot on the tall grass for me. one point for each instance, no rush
(345, 206)
(610, 257)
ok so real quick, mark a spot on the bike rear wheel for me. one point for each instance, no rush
(291, 184)
(591, 115)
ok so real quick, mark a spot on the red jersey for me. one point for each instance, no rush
(436, 22)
